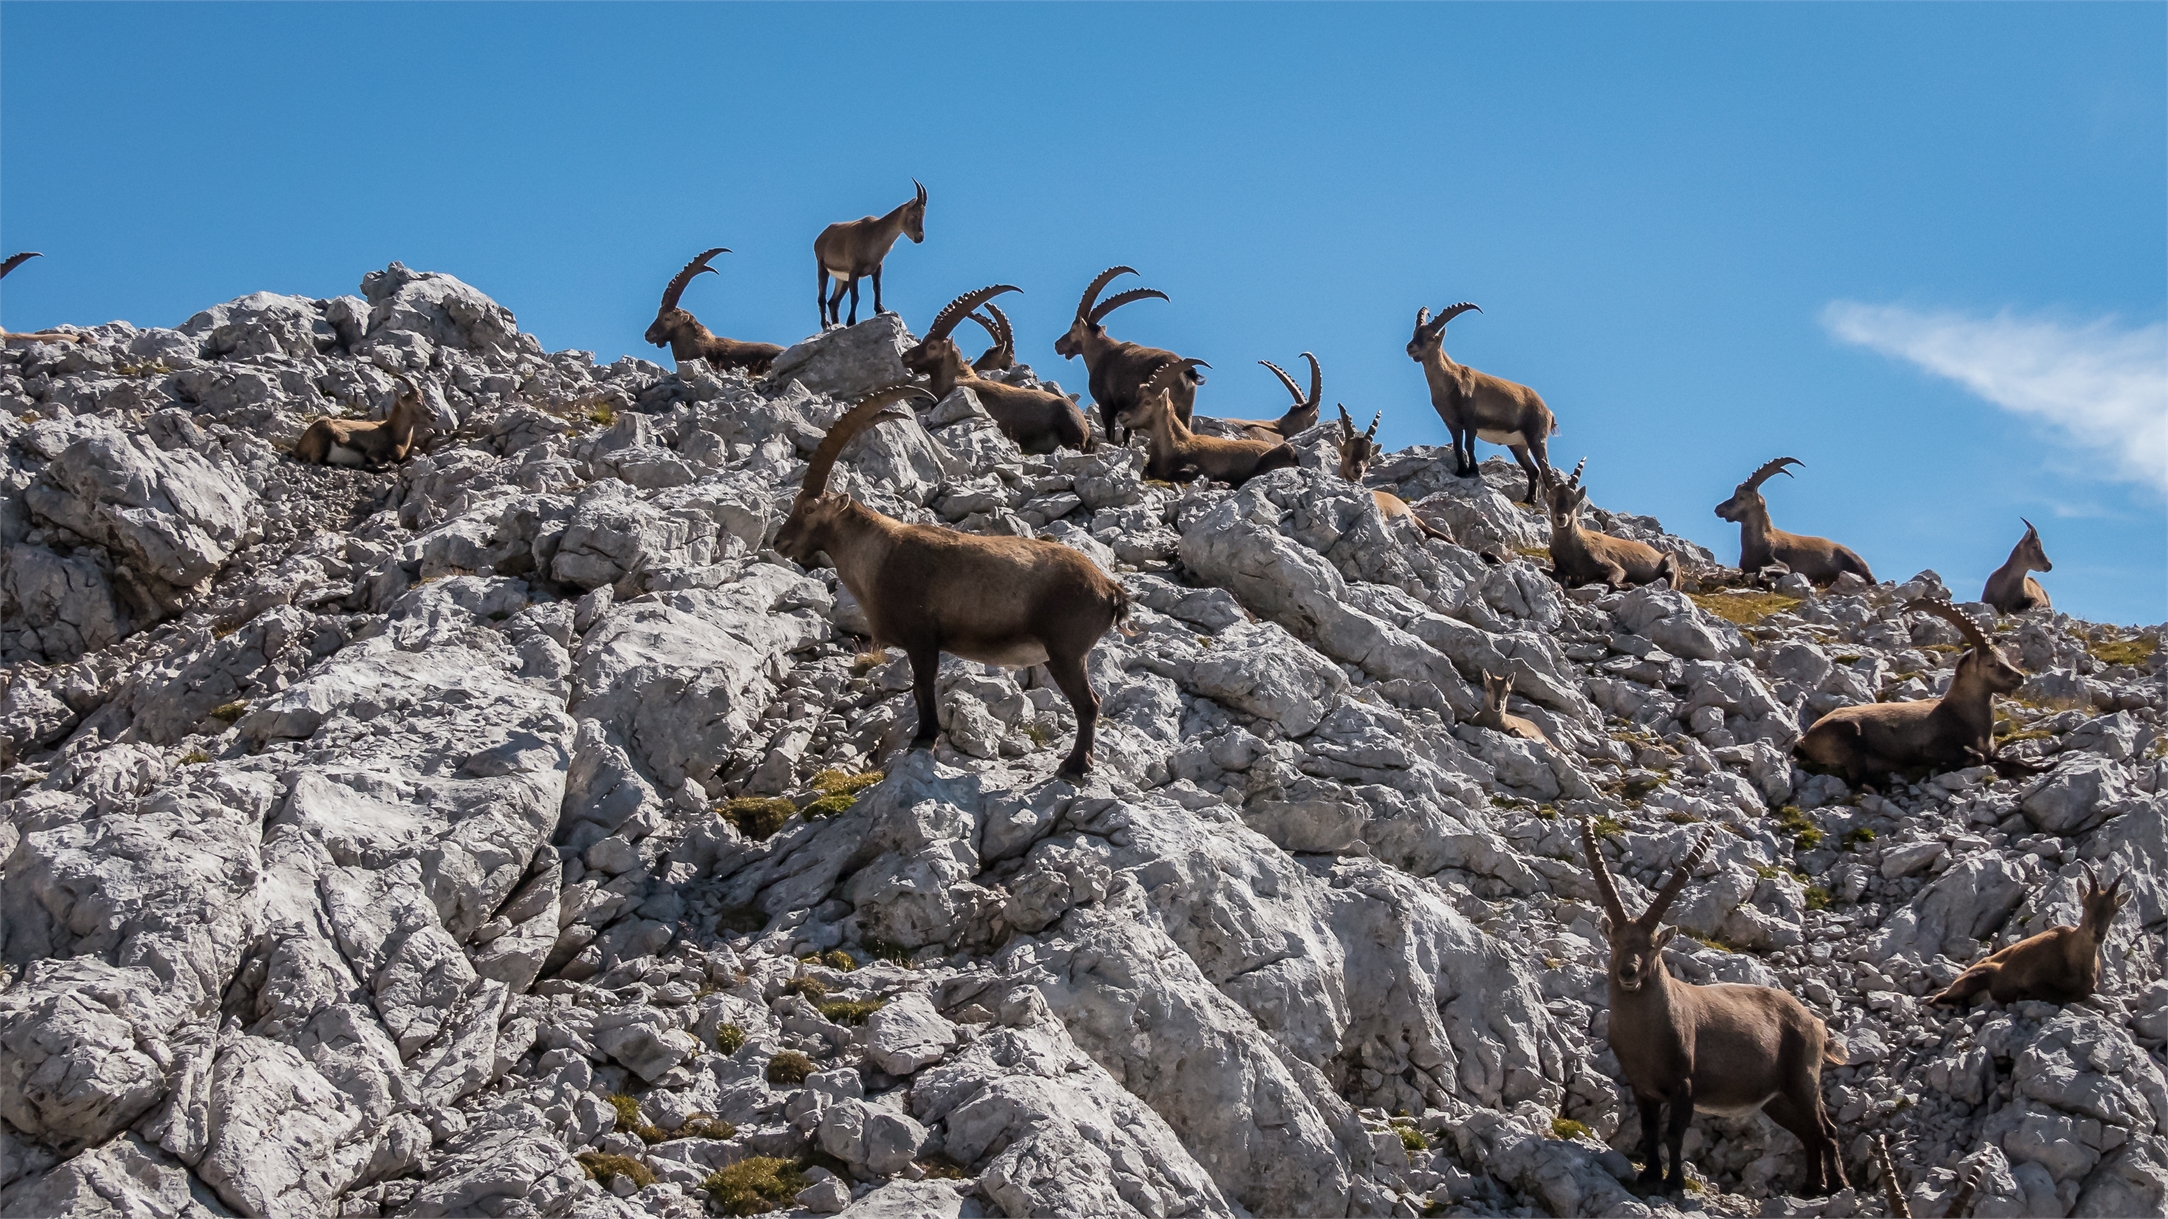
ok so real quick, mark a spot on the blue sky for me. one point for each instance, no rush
(1922, 248)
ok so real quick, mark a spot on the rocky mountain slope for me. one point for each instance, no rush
(501, 834)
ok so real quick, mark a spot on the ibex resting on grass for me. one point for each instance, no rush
(1300, 417)
(1726, 1048)
(1118, 369)
(1178, 453)
(2010, 589)
(853, 250)
(35, 336)
(1580, 555)
(994, 600)
(1038, 420)
(1476, 405)
(370, 444)
(2059, 965)
(687, 339)
(1762, 544)
(1357, 450)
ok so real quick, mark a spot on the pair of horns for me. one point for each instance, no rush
(2092, 884)
(1425, 323)
(1090, 312)
(855, 420)
(16, 260)
(1347, 425)
(997, 326)
(1664, 896)
(921, 191)
(677, 282)
(960, 308)
(1317, 382)
(1770, 469)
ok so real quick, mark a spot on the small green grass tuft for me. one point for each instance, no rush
(754, 1186)
(886, 950)
(2122, 651)
(844, 783)
(789, 1068)
(1541, 554)
(851, 1011)
(829, 806)
(195, 757)
(1567, 1128)
(601, 1166)
(706, 1126)
(1805, 834)
(1411, 1138)
(940, 1168)
(813, 989)
(1682, 819)
(628, 1111)
(1856, 837)
(1547, 812)
(1037, 735)
(836, 958)
(758, 817)
(1766, 872)
(229, 712)
(1607, 826)
(729, 1038)
(602, 413)
(1744, 608)
(1817, 898)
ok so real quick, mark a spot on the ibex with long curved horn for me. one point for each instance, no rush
(2059, 965)
(1001, 357)
(1118, 369)
(1357, 450)
(687, 339)
(1580, 555)
(1177, 452)
(370, 443)
(1038, 420)
(1478, 406)
(853, 250)
(1300, 417)
(2010, 589)
(36, 336)
(1727, 1048)
(1761, 544)
(1893, 1191)
(1946, 733)
(994, 600)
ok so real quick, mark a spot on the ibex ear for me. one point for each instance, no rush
(1663, 936)
(1603, 924)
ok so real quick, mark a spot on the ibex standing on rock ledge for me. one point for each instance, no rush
(1476, 405)
(854, 249)
(1762, 544)
(687, 339)
(2010, 589)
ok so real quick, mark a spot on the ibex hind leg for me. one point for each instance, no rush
(835, 304)
(1816, 1133)
(1534, 467)
(1069, 675)
(925, 667)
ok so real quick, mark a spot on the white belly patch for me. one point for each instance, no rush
(839, 276)
(340, 455)
(1499, 437)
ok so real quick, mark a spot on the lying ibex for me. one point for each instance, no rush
(2059, 965)
(1300, 417)
(1118, 369)
(1494, 716)
(1762, 544)
(2010, 589)
(1178, 453)
(372, 443)
(687, 339)
(852, 250)
(1001, 357)
(1476, 405)
(1727, 1048)
(35, 336)
(995, 600)
(1038, 420)
(1583, 556)
(1357, 449)
(1946, 733)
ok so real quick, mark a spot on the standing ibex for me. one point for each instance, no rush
(368, 443)
(2059, 965)
(1476, 405)
(1581, 555)
(35, 336)
(1300, 417)
(994, 600)
(852, 250)
(1946, 733)
(1727, 1048)
(1001, 357)
(687, 339)
(1357, 449)
(2010, 589)
(1118, 369)
(1761, 544)
(1494, 716)
(1038, 420)
(1177, 452)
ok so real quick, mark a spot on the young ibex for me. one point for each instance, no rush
(1583, 556)
(994, 600)
(1946, 733)
(1495, 717)
(1178, 453)
(2010, 589)
(1476, 405)
(1117, 369)
(371, 444)
(1001, 357)
(1727, 1048)
(1357, 449)
(1300, 417)
(1038, 420)
(35, 336)
(2059, 965)
(687, 339)
(1762, 544)
(852, 250)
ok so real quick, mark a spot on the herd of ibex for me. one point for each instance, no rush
(1023, 602)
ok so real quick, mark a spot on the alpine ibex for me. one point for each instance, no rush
(36, 336)
(995, 600)
(2010, 589)
(1761, 544)
(1946, 733)
(687, 339)
(1001, 357)
(371, 443)
(2059, 965)
(1357, 449)
(1727, 1048)
(1494, 716)
(852, 250)
(1300, 417)
(1118, 369)
(1476, 405)
(1038, 420)
(1177, 452)
(1583, 556)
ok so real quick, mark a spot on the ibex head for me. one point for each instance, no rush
(1357, 449)
(914, 216)
(1984, 661)
(2031, 551)
(1566, 499)
(1430, 331)
(1091, 310)
(1746, 498)
(2101, 904)
(1637, 944)
(813, 515)
(669, 319)
(937, 347)
(1496, 690)
(1158, 393)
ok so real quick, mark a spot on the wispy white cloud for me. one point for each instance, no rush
(2102, 387)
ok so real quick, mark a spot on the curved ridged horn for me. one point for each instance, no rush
(1966, 1184)
(16, 260)
(960, 308)
(1951, 614)
(1770, 469)
(1375, 420)
(1422, 318)
(1091, 294)
(1007, 337)
(1285, 380)
(921, 191)
(992, 329)
(1605, 886)
(1575, 481)
(1685, 872)
(1347, 425)
(853, 421)
(1164, 378)
(677, 282)
(1890, 1191)
(1450, 312)
(1119, 299)
(2029, 526)
(1317, 383)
